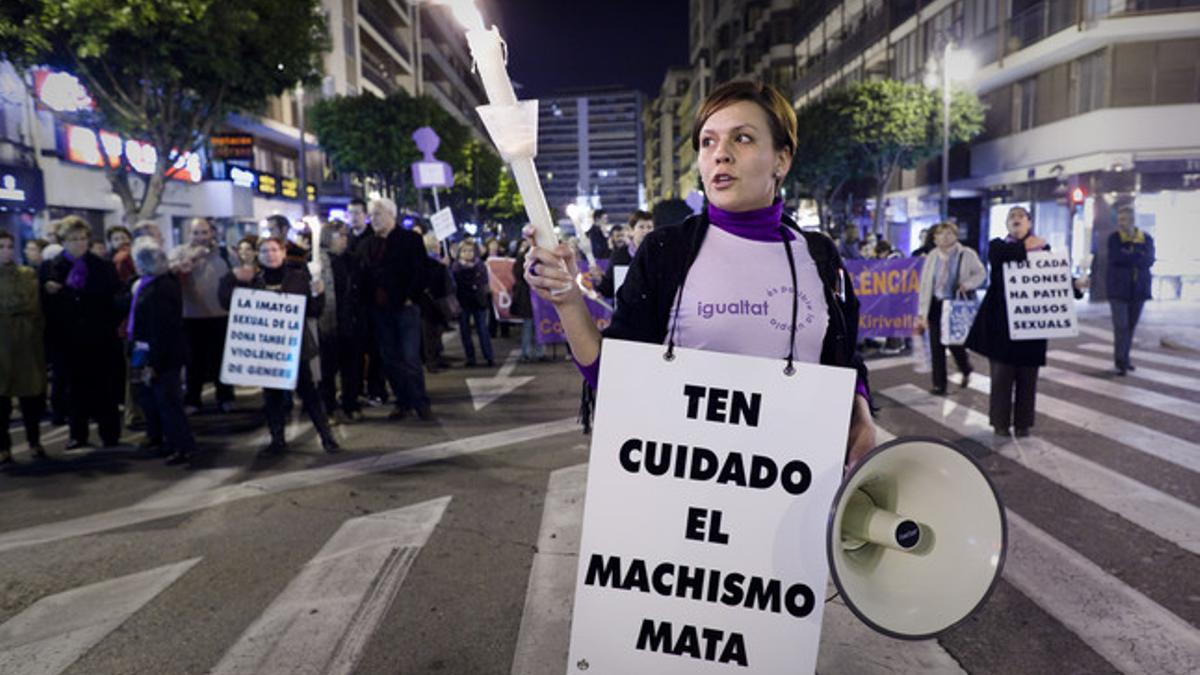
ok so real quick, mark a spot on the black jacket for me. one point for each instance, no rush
(989, 333)
(86, 317)
(294, 280)
(619, 257)
(158, 321)
(471, 285)
(392, 268)
(600, 249)
(645, 301)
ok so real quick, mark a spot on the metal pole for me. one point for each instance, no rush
(946, 131)
(436, 206)
(303, 168)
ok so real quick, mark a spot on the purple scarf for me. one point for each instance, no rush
(757, 225)
(77, 277)
(137, 290)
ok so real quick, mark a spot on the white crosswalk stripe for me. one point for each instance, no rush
(1168, 517)
(321, 622)
(1149, 441)
(1149, 357)
(57, 630)
(1125, 393)
(1154, 375)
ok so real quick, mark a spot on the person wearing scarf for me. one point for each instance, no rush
(80, 293)
(951, 270)
(714, 282)
(156, 355)
(1130, 256)
(1014, 363)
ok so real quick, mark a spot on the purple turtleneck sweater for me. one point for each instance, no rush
(751, 315)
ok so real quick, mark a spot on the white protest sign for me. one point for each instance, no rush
(262, 339)
(443, 224)
(1040, 299)
(709, 488)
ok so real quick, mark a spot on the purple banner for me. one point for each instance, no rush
(887, 293)
(549, 329)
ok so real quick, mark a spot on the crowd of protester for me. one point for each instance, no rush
(120, 332)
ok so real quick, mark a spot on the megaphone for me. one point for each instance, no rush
(916, 538)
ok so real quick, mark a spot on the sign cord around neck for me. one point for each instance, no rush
(788, 370)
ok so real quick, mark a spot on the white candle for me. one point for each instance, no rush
(314, 229)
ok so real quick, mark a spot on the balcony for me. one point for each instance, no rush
(1038, 23)
(858, 37)
(378, 20)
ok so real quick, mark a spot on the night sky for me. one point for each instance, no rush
(559, 44)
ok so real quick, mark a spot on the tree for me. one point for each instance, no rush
(898, 124)
(372, 136)
(506, 204)
(826, 159)
(166, 71)
(477, 177)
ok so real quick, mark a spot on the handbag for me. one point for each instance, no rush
(958, 315)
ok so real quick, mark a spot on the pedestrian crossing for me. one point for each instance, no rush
(331, 608)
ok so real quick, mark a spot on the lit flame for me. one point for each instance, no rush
(465, 13)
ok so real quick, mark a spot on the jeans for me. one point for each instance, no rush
(480, 317)
(399, 334)
(1125, 315)
(162, 406)
(530, 347)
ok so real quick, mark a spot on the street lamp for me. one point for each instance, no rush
(957, 65)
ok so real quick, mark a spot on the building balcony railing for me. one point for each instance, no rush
(1038, 23)
(1161, 5)
(865, 33)
(386, 29)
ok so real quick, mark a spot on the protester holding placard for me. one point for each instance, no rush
(951, 271)
(1130, 257)
(738, 278)
(1014, 363)
(274, 275)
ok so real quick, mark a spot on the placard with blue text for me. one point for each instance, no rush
(262, 339)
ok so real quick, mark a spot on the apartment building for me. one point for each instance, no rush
(663, 131)
(590, 146)
(1099, 95)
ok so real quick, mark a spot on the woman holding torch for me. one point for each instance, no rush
(739, 277)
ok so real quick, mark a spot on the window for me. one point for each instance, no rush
(981, 17)
(1024, 104)
(1088, 79)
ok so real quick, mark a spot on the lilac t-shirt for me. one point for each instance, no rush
(738, 299)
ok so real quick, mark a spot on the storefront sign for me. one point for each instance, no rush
(82, 147)
(262, 339)
(232, 146)
(709, 487)
(1040, 298)
(311, 192)
(268, 184)
(21, 188)
(243, 177)
(289, 188)
(887, 292)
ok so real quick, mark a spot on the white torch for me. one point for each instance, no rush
(512, 124)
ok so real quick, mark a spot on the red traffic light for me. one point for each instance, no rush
(1077, 195)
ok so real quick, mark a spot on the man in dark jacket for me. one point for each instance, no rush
(1130, 256)
(393, 277)
(366, 346)
(155, 330)
(599, 235)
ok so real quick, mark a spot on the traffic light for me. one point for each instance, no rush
(1077, 196)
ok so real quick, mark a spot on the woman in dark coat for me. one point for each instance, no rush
(22, 352)
(156, 348)
(471, 279)
(80, 296)
(1014, 363)
(522, 308)
(274, 275)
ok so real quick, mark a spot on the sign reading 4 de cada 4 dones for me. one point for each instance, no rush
(709, 487)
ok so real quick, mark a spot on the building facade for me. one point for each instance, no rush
(253, 166)
(1093, 98)
(663, 130)
(590, 146)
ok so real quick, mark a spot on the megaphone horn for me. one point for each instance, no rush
(916, 538)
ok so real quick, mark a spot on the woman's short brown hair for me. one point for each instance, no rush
(780, 116)
(70, 225)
